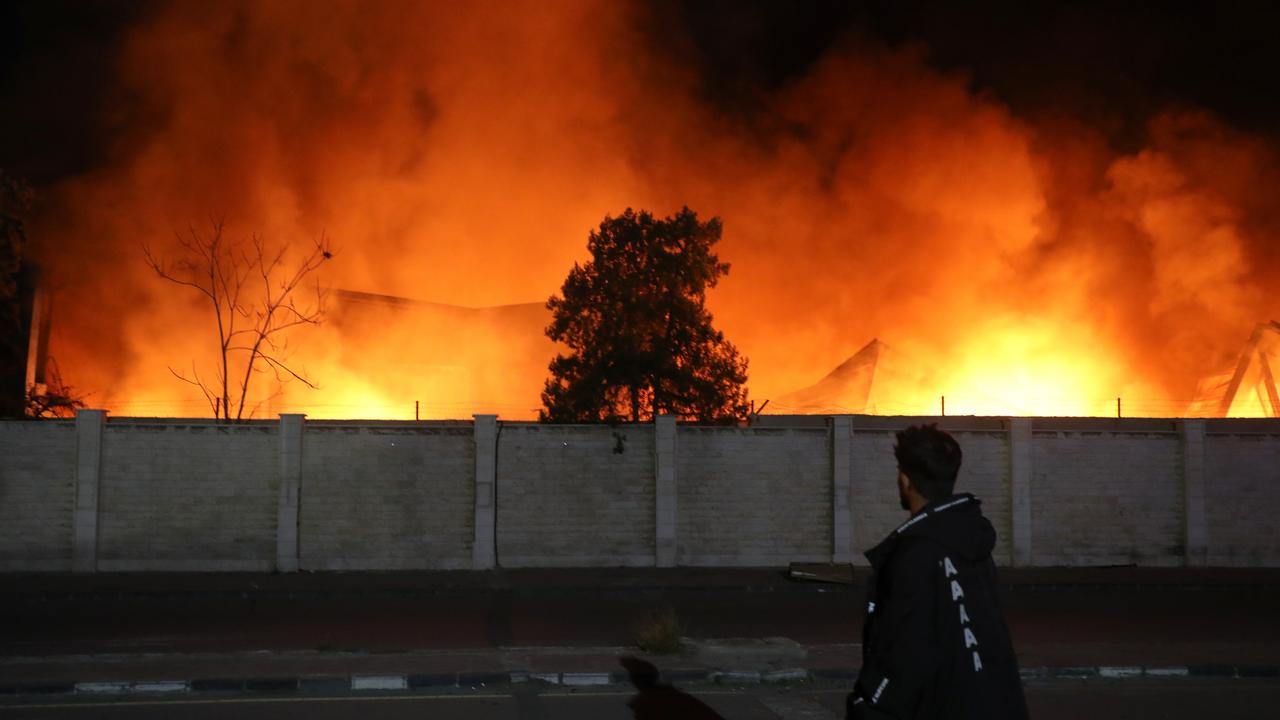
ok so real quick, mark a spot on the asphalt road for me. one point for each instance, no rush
(1051, 700)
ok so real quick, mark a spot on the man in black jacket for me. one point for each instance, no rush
(934, 641)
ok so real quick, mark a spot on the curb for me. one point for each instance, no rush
(363, 684)
(1126, 672)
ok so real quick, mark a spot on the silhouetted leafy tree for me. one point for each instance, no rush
(50, 397)
(15, 199)
(635, 320)
(251, 290)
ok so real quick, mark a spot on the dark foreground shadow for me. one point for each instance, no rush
(654, 700)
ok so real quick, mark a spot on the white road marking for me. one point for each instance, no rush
(161, 686)
(794, 707)
(1175, 671)
(743, 677)
(791, 675)
(102, 687)
(379, 682)
(585, 678)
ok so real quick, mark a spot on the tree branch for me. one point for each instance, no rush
(281, 366)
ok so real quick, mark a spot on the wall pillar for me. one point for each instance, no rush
(664, 463)
(484, 554)
(1020, 472)
(841, 488)
(1196, 537)
(89, 424)
(288, 507)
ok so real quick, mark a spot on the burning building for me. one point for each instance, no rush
(464, 360)
(1249, 388)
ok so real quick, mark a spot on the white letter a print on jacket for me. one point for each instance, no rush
(957, 596)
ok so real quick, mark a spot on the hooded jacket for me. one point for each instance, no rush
(934, 641)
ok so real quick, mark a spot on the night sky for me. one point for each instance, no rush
(1111, 65)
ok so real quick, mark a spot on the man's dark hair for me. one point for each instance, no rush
(930, 458)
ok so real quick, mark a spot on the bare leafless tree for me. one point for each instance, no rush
(251, 289)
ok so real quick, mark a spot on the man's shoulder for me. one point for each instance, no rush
(913, 555)
(915, 547)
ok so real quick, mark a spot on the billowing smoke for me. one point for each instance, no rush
(459, 153)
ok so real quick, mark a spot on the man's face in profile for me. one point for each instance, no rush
(902, 491)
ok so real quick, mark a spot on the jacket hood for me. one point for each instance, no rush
(956, 523)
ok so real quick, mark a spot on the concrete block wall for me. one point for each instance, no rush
(753, 496)
(874, 506)
(127, 494)
(985, 473)
(175, 496)
(37, 495)
(575, 495)
(1241, 487)
(1107, 497)
(386, 497)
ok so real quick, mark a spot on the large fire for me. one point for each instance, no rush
(459, 154)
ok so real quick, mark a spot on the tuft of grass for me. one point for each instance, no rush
(659, 632)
